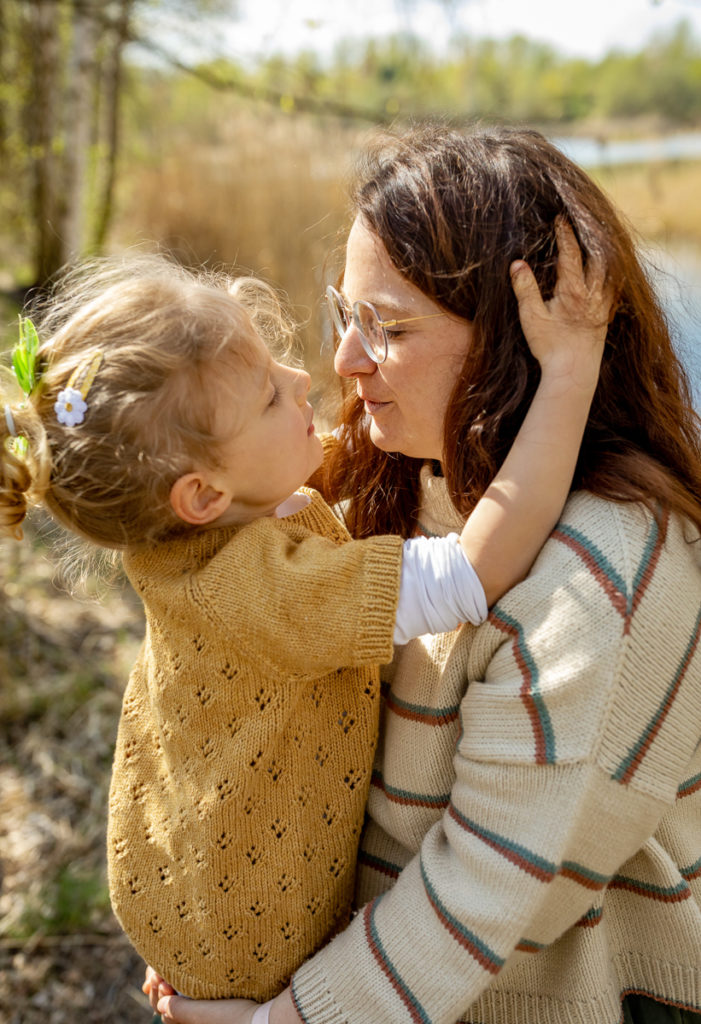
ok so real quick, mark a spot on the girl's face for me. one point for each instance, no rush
(273, 448)
(407, 396)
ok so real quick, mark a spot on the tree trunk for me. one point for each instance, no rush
(78, 116)
(43, 137)
(119, 36)
(4, 77)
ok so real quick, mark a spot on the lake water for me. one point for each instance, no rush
(678, 270)
(603, 153)
(679, 282)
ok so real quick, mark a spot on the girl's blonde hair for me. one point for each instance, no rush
(164, 333)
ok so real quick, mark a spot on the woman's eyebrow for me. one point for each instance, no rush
(389, 308)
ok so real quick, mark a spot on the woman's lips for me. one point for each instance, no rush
(373, 407)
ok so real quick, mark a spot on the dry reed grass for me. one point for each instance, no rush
(661, 200)
(63, 664)
(270, 197)
(270, 194)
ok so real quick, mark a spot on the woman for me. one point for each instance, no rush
(533, 850)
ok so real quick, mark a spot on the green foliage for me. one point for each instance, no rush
(515, 79)
(400, 77)
(24, 355)
(70, 901)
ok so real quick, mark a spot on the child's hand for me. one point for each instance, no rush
(156, 987)
(163, 999)
(566, 334)
(179, 1010)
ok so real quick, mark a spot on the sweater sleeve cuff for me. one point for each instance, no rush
(380, 598)
(312, 999)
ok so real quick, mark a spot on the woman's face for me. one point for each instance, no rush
(407, 396)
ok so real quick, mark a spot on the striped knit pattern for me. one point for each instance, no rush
(533, 849)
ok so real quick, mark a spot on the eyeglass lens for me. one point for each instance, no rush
(368, 323)
(366, 320)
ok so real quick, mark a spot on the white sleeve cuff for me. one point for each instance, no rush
(439, 589)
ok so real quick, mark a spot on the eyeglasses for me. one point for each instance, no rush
(366, 320)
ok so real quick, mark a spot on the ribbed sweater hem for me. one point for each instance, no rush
(675, 984)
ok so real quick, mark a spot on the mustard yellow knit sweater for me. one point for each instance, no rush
(244, 752)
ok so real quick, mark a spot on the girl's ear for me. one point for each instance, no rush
(196, 501)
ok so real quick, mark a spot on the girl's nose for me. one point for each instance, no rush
(304, 382)
(351, 359)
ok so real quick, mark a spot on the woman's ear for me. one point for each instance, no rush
(196, 501)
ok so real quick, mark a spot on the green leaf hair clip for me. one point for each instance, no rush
(24, 356)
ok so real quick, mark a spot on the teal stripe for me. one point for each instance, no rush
(295, 1000)
(407, 796)
(469, 936)
(571, 866)
(650, 887)
(527, 859)
(530, 946)
(518, 852)
(592, 917)
(635, 752)
(391, 970)
(425, 531)
(424, 709)
(533, 691)
(598, 557)
(650, 546)
(691, 783)
(692, 870)
(379, 864)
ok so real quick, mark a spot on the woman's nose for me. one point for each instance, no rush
(351, 359)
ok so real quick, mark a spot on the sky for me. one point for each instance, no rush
(588, 28)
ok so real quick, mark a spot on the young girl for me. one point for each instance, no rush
(155, 422)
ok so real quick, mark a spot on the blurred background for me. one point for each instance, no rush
(225, 131)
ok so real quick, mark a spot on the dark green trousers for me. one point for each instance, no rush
(639, 1009)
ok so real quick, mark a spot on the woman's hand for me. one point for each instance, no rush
(567, 333)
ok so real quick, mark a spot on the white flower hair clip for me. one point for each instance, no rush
(71, 405)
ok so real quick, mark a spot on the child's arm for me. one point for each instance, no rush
(521, 506)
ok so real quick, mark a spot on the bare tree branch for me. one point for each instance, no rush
(289, 101)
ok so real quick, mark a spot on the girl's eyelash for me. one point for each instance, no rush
(276, 396)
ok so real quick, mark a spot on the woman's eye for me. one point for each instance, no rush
(276, 396)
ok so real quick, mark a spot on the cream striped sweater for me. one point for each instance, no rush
(534, 843)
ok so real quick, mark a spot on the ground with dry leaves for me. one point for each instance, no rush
(63, 665)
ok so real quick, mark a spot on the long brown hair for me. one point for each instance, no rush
(453, 210)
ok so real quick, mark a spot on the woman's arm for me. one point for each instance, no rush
(546, 805)
(567, 334)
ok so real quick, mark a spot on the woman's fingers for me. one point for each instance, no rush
(526, 290)
(570, 273)
(586, 287)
